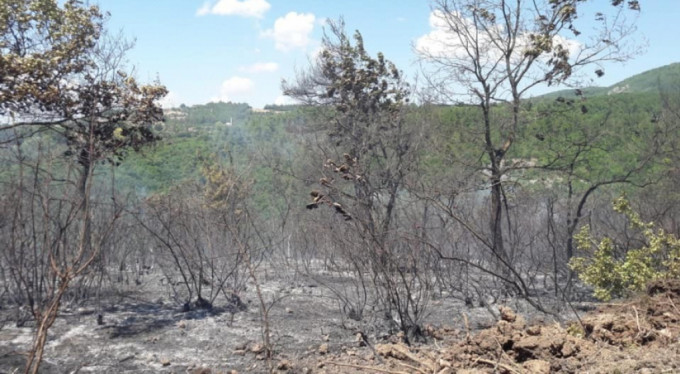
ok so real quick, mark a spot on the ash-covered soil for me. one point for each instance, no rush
(144, 332)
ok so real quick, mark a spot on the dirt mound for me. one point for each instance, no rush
(670, 287)
(641, 335)
(652, 320)
(512, 346)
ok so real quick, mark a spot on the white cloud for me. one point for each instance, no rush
(234, 88)
(244, 8)
(315, 53)
(291, 31)
(441, 42)
(171, 100)
(284, 100)
(260, 67)
(205, 9)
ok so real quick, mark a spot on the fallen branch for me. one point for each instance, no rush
(497, 364)
(364, 367)
(413, 368)
(467, 327)
(413, 357)
(637, 319)
(673, 305)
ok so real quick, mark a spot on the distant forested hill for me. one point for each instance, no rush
(664, 78)
(247, 137)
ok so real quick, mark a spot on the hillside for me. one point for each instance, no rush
(666, 78)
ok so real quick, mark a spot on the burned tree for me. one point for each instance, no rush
(369, 153)
(62, 76)
(490, 55)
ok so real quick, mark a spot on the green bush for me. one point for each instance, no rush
(616, 276)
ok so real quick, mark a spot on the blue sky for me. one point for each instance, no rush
(239, 50)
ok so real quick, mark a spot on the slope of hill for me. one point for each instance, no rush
(666, 78)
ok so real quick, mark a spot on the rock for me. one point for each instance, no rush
(505, 327)
(507, 314)
(569, 348)
(257, 348)
(448, 328)
(398, 351)
(534, 330)
(289, 311)
(165, 362)
(201, 371)
(240, 352)
(306, 370)
(489, 340)
(528, 345)
(182, 324)
(665, 333)
(361, 339)
(537, 367)
(429, 329)
(323, 349)
(520, 323)
(284, 365)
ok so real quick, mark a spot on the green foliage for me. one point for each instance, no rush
(575, 329)
(597, 138)
(361, 96)
(594, 139)
(210, 114)
(281, 108)
(161, 167)
(42, 44)
(664, 78)
(222, 189)
(615, 276)
(602, 143)
(58, 68)
(360, 102)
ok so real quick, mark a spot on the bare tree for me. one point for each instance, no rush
(199, 228)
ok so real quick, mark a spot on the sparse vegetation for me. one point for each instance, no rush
(617, 272)
(366, 219)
